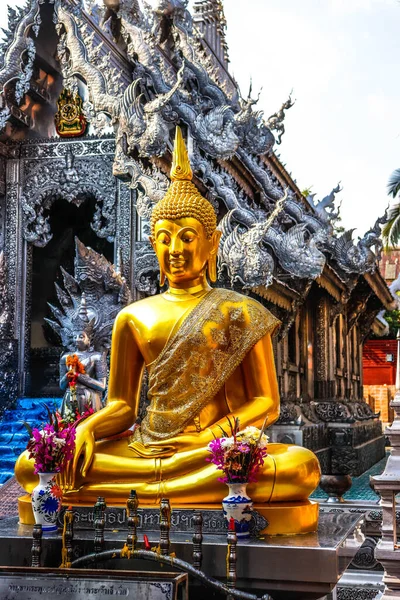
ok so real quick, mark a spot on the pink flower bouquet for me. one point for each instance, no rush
(52, 446)
(240, 455)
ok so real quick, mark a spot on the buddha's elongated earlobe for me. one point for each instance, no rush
(162, 277)
(212, 261)
(212, 268)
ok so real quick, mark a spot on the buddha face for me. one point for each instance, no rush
(183, 250)
(82, 341)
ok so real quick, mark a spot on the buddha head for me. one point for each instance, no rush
(82, 327)
(82, 341)
(184, 231)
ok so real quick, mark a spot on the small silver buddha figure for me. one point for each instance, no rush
(90, 386)
(83, 368)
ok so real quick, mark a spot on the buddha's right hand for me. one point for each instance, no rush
(84, 447)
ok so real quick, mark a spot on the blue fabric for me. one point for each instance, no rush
(14, 436)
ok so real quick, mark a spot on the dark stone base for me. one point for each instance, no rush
(356, 460)
(342, 448)
(324, 457)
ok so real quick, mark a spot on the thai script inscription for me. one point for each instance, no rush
(149, 519)
(67, 589)
(38, 587)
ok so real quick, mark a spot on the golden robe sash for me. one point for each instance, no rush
(198, 359)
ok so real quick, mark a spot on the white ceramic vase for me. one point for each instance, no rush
(238, 506)
(47, 501)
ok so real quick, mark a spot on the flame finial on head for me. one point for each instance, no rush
(183, 199)
(83, 313)
(180, 169)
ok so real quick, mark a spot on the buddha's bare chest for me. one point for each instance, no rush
(160, 323)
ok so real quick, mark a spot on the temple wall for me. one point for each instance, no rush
(379, 397)
(319, 367)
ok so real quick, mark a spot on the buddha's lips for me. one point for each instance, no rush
(177, 264)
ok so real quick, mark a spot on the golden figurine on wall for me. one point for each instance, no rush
(69, 119)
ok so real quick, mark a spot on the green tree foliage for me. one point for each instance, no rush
(391, 231)
(338, 229)
(393, 319)
(306, 192)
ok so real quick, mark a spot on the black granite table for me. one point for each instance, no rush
(303, 567)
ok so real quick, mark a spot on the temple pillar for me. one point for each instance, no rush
(309, 351)
(125, 234)
(16, 259)
(8, 344)
(2, 195)
(322, 388)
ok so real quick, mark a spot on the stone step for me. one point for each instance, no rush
(13, 434)
(9, 450)
(17, 438)
(17, 426)
(32, 403)
(5, 475)
(8, 463)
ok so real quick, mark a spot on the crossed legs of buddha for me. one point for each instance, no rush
(290, 473)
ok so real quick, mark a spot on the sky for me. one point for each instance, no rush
(341, 58)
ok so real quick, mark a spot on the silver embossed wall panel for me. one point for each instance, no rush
(50, 170)
(2, 201)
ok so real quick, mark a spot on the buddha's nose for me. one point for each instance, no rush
(176, 246)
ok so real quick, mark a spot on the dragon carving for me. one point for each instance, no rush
(275, 121)
(76, 60)
(325, 208)
(144, 124)
(105, 293)
(298, 251)
(254, 135)
(243, 254)
(358, 258)
(19, 53)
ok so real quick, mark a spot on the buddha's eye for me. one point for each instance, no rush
(163, 239)
(187, 237)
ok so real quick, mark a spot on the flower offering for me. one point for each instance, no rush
(240, 455)
(52, 446)
(76, 368)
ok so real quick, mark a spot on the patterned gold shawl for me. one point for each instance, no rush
(197, 360)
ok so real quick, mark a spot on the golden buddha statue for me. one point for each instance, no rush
(208, 354)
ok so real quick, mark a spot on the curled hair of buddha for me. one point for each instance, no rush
(183, 199)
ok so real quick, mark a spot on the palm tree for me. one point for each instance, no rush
(391, 231)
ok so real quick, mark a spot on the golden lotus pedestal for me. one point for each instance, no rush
(284, 518)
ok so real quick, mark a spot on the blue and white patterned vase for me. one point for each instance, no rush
(238, 506)
(47, 501)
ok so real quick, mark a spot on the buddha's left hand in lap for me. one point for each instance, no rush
(182, 442)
